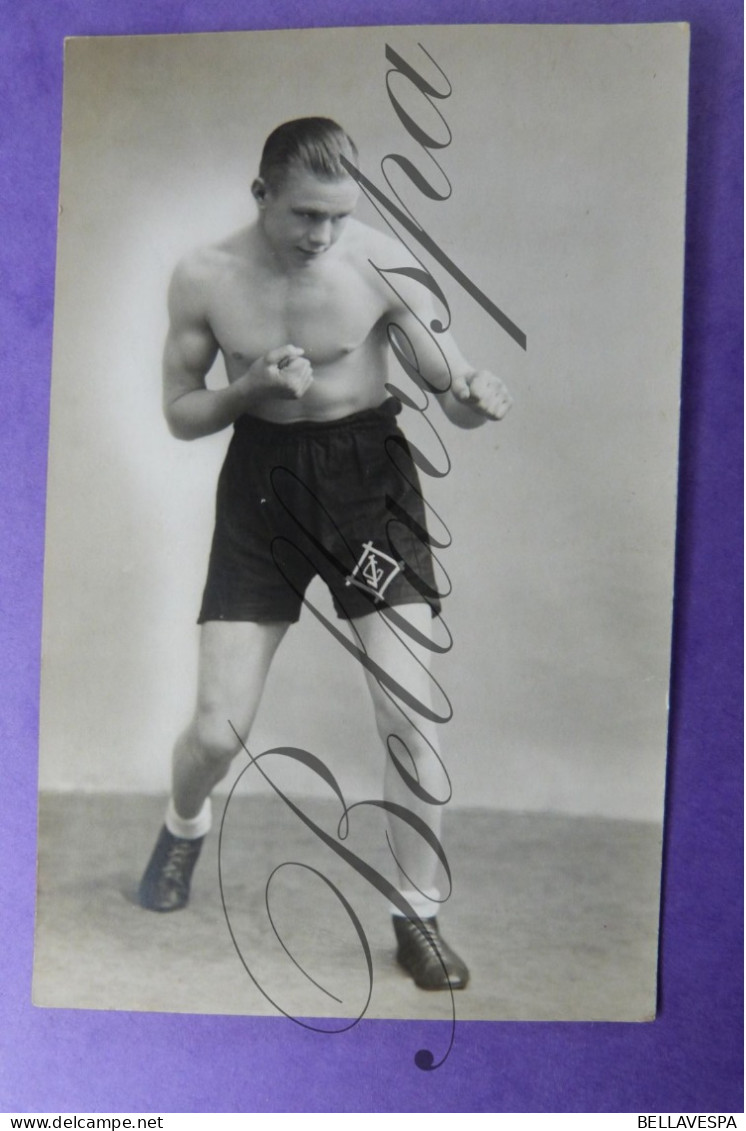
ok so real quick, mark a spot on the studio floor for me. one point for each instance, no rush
(556, 916)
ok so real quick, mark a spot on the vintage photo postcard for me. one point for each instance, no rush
(334, 723)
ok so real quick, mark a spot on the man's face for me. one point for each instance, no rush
(304, 216)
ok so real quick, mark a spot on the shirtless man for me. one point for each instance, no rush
(301, 319)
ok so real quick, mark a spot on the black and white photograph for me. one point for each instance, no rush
(360, 523)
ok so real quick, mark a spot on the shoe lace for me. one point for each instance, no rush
(179, 856)
(427, 931)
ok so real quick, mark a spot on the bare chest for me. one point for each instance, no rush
(327, 313)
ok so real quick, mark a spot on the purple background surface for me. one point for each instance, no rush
(690, 1058)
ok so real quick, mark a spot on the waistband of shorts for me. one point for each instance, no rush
(269, 431)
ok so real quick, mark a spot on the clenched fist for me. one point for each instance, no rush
(483, 392)
(284, 372)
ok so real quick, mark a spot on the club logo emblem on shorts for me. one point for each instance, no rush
(374, 571)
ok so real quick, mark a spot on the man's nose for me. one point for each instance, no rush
(321, 233)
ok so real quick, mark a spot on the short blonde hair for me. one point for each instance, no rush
(313, 144)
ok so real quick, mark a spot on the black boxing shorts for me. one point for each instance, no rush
(339, 499)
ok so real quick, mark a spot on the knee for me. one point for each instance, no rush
(395, 727)
(389, 720)
(215, 741)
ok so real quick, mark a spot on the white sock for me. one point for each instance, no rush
(189, 828)
(422, 905)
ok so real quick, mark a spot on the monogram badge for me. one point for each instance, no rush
(374, 571)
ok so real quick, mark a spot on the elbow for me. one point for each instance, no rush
(177, 426)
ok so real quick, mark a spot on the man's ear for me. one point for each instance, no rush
(259, 191)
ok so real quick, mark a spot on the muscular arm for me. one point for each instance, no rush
(467, 395)
(191, 409)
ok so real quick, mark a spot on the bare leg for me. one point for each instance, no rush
(413, 739)
(234, 661)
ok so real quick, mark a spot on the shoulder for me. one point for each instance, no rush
(198, 268)
(394, 272)
(190, 281)
(384, 250)
(198, 273)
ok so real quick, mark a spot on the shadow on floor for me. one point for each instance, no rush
(556, 916)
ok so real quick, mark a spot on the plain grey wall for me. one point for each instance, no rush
(567, 164)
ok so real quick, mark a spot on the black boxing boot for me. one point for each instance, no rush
(166, 880)
(426, 957)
